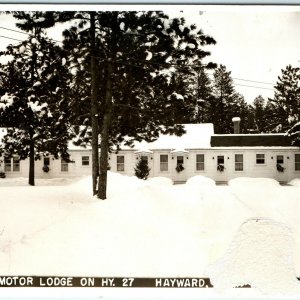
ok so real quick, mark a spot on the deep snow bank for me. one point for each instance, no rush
(23, 181)
(149, 228)
(295, 182)
(200, 180)
(260, 255)
(243, 182)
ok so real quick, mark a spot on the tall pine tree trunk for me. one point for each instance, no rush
(94, 110)
(105, 135)
(31, 145)
(31, 162)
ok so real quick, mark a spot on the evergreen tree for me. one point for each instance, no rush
(142, 169)
(241, 109)
(259, 113)
(139, 56)
(35, 101)
(203, 93)
(226, 103)
(294, 133)
(286, 101)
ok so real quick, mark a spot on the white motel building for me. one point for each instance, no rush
(198, 152)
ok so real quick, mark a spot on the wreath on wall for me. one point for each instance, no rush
(280, 168)
(46, 169)
(220, 167)
(179, 168)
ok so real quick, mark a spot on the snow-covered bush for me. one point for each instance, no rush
(142, 169)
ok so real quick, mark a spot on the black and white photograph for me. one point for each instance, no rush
(150, 148)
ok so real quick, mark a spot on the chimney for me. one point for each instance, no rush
(236, 125)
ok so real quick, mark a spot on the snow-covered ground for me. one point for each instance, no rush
(246, 232)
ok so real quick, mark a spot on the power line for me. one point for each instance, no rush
(10, 38)
(261, 82)
(155, 63)
(14, 30)
(18, 31)
(257, 87)
(251, 86)
(253, 81)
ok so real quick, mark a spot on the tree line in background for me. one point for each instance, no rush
(119, 77)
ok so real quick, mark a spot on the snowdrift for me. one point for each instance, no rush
(295, 182)
(249, 182)
(153, 228)
(259, 255)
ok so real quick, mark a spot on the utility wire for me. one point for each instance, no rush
(10, 38)
(251, 86)
(153, 63)
(14, 30)
(166, 64)
(262, 82)
(26, 33)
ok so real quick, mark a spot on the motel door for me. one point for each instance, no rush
(180, 169)
(280, 168)
(221, 168)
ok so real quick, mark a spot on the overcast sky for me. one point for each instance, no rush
(254, 43)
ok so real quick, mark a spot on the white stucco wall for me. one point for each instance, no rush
(75, 169)
(251, 169)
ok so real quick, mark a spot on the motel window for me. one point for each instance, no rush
(16, 164)
(297, 162)
(46, 161)
(239, 162)
(220, 160)
(12, 164)
(179, 160)
(85, 160)
(200, 162)
(260, 159)
(120, 163)
(163, 162)
(7, 164)
(279, 159)
(64, 166)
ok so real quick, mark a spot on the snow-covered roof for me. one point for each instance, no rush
(196, 136)
(71, 146)
(145, 151)
(179, 150)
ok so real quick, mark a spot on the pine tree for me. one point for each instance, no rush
(225, 103)
(203, 94)
(294, 133)
(262, 112)
(241, 109)
(35, 102)
(142, 169)
(286, 101)
(139, 56)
